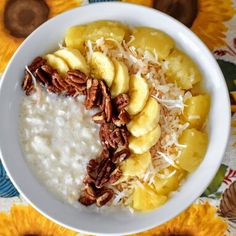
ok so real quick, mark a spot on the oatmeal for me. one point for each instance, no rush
(59, 138)
(113, 116)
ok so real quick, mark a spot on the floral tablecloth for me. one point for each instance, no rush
(214, 21)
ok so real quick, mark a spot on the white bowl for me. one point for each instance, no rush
(45, 39)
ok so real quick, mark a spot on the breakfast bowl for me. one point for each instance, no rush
(114, 221)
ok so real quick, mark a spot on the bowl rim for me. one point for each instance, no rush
(45, 212)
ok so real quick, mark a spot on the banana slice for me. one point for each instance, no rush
(74, 59)
(136, 164)
(120, 83)
(138, 92)
(102, 67)
(146, 120)
(143, 143)
(57, 63)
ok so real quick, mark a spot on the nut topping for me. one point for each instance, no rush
(121, 101)
(99, 117)
(28, 84)
(105, 196)
(92, 93)
(120, 155)
(115, 175)
(104, 170)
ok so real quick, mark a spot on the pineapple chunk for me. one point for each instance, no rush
(106, 29)
(196, 146)
(77, 35)
(196, 110)
(182, 70)
(136, 164)
(153, 40)
(145, 198)
(166, 186)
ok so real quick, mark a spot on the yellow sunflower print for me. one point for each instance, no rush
(209, 23)
(198, 220)
(24, 220)
(18, 18)
(206, 19)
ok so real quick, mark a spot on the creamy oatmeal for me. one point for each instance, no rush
(58, 138)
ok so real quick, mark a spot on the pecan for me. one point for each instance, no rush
(77, 76)
(53, 89)
(105, 130)
(105, 168)
(104, 197)
(92, 168)
(99, 117)
(112, 136)
(59, 82)
(120, 155)
(105, 94)
(125, 135)
(92, 93)
(28, 84)
(77, 80)
(121, 101)
(91, 190)
(86, 199)
(42, 77)
(115, 175)
(105, 154)
(106, 104)
(71, 91)
(122, 119)
(37, 63)
(88, 180)
(108, 109)
(48, 69)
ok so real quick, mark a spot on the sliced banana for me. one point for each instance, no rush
(147, 120)
(143, 143)
(74, 59)
(102, 67)
(138, 92)
(120, 83)
(136, 164)
(57, 63)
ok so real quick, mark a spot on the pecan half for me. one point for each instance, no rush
(92, 168)
(104, 171)
(115, 175)
(104, 197)
(36, 63)
(121, 101)
(122, 118)
(106, 104)
(92, 93)
(77, 79)
(86, 199)
(99, 117)
(91, 190)
(88, 180)
(43, 77)
(59, 82)
(28, 84)
(77, 76)
(120, 155)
